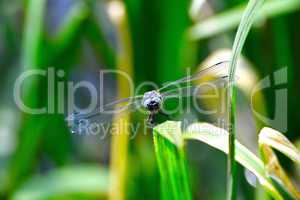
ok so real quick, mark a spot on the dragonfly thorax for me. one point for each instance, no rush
(152, 100)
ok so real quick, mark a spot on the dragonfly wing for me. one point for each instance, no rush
(84, 123)
(216, 69)
(196, 90)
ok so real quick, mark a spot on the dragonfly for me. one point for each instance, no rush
(150, 101)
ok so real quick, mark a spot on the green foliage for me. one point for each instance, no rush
(170, 137)
(164, 41)
(32, 126)
(39, 53)
(171, 161)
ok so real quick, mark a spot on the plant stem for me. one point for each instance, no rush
(24, 155)
(246, 22)
(232, 173)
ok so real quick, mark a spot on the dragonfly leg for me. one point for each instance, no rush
(150, 120)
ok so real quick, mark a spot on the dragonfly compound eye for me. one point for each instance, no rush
(153, 105)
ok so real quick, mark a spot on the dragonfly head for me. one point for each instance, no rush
(152, 100)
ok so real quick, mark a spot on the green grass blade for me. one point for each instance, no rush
(171, 161)
(218, 138)
(29, 134)
(230, 19)
(69, 31)
(174, 51)
(33, 33)
(103, 50)
(86, 179)
(169, 142)
(247, 20)
(242, 32)
(34, 128)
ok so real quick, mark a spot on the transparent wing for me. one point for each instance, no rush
(214, 69)
(84, 123)
(195, 90)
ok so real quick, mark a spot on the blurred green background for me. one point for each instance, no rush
(152, 41)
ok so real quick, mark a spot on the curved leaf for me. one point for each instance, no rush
(213, 136)
(268, 139)
(218, 138)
